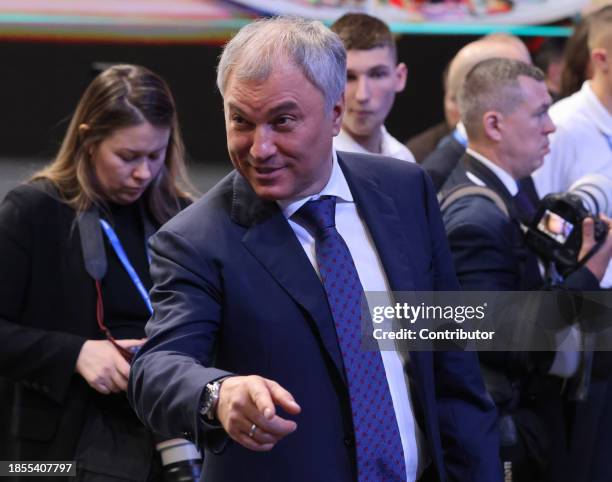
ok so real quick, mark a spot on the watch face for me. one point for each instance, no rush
(210, 400)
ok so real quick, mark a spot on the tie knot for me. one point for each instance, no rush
(318, 215)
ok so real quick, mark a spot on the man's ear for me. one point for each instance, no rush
(401, 75)
(492, 124)
(600, 59)
(336, 113)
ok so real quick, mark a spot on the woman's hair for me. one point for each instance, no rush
(121, 96)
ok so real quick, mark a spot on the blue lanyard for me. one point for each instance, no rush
(116, 244)
(460, 138)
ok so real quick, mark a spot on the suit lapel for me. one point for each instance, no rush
(392, 240)
(383, 222)
(270, 239)
(487, 176)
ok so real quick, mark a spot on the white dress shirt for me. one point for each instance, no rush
(582, 143)
(501, 174)
(390, 147)
(371, 273)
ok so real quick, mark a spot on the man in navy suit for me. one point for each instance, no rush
(504, 107)
(247, 352)
(442, 160)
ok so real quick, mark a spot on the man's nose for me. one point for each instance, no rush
(263, 145)
(362, 94)
(549, 125)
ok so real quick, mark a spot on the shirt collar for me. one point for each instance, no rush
(502, 175)
(599, 113)
(344, 142)
(389, 145)
(336, 186)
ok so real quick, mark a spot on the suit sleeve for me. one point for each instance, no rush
(170, 372)
(467, 414)
(42, 360)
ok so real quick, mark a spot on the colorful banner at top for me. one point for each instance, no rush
(529, 12)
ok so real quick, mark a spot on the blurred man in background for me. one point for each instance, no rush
(440, 163)
(373, 78)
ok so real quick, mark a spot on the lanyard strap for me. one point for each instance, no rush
(459, 137)
(116, 244)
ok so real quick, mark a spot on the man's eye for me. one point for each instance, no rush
(239, 122)
(379, 74)
(284, 121)
(351, 77)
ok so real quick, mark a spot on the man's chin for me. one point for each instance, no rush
(270, 192)
(360, 130)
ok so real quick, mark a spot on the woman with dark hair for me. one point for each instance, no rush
(74, 281)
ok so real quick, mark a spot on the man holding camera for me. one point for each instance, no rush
(504, 105)
(582, 144)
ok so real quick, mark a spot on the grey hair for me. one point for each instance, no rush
(259, 46)
(493, 85)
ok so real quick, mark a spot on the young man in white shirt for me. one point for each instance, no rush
(374, 77)
(582, 144)
(583, 141)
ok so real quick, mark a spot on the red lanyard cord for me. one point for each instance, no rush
(128, 355)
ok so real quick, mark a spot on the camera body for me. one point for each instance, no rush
(555, 233)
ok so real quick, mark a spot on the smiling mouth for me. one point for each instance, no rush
(266, 170)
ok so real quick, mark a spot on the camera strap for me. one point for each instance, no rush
(92, 244)
(460, 192)
(91, 227)
(466, 190)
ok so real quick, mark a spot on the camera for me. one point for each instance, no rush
(555, 232)
(180, 459)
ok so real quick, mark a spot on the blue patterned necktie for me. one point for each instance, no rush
(380, 456)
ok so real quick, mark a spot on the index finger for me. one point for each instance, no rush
(262, 398)
(283, 398)
(131, 342)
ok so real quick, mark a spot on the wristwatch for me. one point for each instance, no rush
(211, 399)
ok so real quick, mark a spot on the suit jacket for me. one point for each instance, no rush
(424, 143)
(443, 160)
(487, 246)
(235, 293)
(47, 312)
(490, 254)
